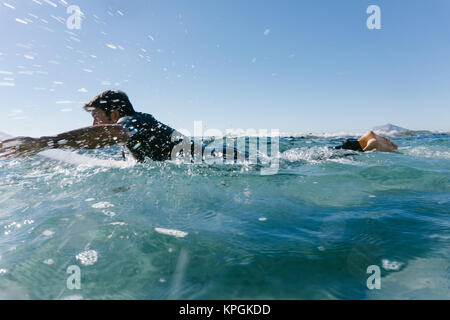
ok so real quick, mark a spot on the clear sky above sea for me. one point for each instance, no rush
(297, 66)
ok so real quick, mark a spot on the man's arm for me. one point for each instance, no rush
(94, 137)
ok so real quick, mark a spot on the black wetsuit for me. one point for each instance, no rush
(149, 137)
(156, 141)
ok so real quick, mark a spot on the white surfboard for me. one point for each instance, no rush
(82, 160)
(77, 159)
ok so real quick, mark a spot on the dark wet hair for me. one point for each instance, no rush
(351, 144)
(109, 101)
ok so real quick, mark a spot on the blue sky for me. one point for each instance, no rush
(296, 66)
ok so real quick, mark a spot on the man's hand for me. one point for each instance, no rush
(20, 147)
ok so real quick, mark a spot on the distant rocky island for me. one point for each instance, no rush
(389, 128)
(396, 130)
(4, 136)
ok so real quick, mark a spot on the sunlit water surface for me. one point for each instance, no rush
(180, 231)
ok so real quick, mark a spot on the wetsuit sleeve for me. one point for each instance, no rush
(129, 123)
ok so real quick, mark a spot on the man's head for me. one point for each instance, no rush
(109, 106)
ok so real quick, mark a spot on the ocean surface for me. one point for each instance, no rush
(224, 231)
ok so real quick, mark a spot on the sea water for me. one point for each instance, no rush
(175, 230)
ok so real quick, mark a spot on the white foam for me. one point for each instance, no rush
(118, 223)
(102, 205)
(426, 152)
(173, 233)
(48, 233)
(391, 265)
(109, 213)
(316, 154)
(439, 236)
(87, 258)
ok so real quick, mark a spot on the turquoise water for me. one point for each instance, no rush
(308, 232)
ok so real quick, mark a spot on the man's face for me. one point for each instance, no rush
(100, 117)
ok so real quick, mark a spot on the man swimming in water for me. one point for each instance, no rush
(369, 142)
(115, 122)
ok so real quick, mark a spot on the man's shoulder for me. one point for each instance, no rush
(138, 117)
(141, 115)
